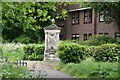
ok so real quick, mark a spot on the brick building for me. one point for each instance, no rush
(82, 23)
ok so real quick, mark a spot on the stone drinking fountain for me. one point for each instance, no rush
(51, 42)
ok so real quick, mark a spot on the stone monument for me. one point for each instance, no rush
(51, 42)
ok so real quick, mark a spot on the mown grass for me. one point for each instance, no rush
(90, 69)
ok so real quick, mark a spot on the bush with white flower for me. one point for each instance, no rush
(13, 51)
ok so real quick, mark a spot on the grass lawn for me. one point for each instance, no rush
(90, 69)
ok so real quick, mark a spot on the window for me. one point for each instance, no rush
(88, 16)
(117, 36)
(75, 36)
(85, 16)
(75, 18)
(100, 33)
(87, 36)
(101, 16)
(106, 34)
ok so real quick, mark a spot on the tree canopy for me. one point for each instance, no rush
(27, 19)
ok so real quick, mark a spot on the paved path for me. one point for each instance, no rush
(46, 67)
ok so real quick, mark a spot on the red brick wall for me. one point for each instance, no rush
(82, 28)
(109, 28)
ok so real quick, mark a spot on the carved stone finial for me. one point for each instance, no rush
(53, 21)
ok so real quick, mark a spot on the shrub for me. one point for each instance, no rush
(13, 51)
(106, 52)
(99, 40)
(71, 53)
(90, 51)
(34, 52)
(23, 39)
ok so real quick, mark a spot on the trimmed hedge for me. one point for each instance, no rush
(34, 52)
(105, 52)
(71, 53)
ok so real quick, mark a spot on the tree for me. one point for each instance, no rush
(27, 18)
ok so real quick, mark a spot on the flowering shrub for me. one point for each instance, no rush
(12, 46)
(13, 51)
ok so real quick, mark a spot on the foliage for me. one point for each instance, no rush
(13, 71)
(90, 51)
(12, 46)
(98, 47)
(23, 39)
(13, 55)
(34, 52)
(13, 51)
(10, 71)
(99, 40)
(18, 51)
(106, 52)
(66, 42)
(28, 18)
(90, 69)
(71, 53)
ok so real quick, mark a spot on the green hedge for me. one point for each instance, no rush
(71, 53)
(99, 40)
(90, 51)
(105, 52)
(74, 53)
(34, 52)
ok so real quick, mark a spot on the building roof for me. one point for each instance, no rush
(80, 9)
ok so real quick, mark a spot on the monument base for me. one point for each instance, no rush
(51, 57)
(54, 60)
